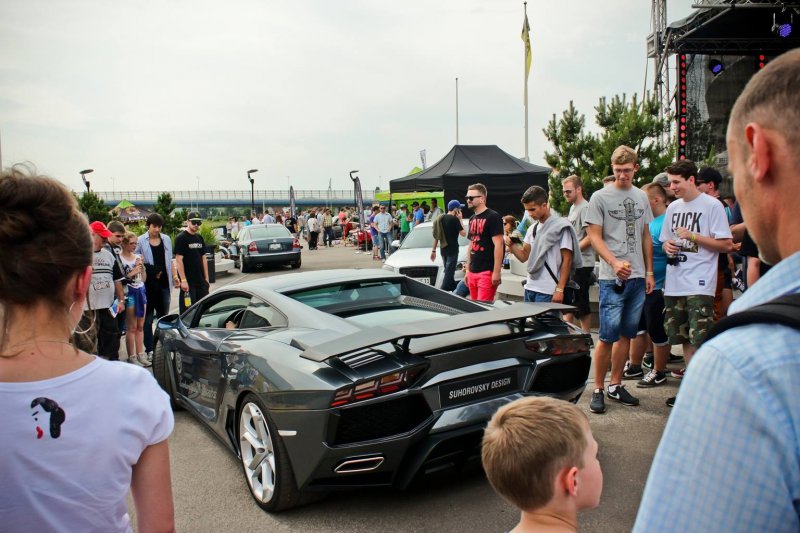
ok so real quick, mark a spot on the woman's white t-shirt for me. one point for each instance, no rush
(68, 446)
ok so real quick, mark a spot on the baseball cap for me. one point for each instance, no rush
(402, 206)
(100, 229)
(415, 204)
(453, 204)
(193, 214)
(662, 179)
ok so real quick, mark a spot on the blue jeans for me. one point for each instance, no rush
(156, 308)
(449, 273)
(537, 297)
(383, 243)
(620, 313)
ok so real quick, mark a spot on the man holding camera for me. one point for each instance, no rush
(694, 233)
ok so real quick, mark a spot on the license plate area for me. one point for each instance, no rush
(427, 281)
(275, 246)
(478, 388)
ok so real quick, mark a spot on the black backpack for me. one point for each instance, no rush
(784, 310)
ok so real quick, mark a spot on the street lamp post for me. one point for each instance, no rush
(83, 177)
(252, 190)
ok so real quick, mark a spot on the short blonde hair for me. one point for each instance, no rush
(129, 236)
(527, 443)
(574, 179)
(623, 155)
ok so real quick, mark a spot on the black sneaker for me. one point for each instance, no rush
(648, 361)
(675, 358)
(670, 402)
(633, 372)
(622, 396)
(652, 379)
(598, 403)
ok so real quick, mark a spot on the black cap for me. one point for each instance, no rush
(193, 214)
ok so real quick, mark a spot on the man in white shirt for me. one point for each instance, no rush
(579, 207)
(694, 233)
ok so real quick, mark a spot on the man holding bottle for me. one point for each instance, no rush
(617, 224)
(190, 259)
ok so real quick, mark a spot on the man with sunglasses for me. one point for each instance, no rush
(191, 261)
(485, 257)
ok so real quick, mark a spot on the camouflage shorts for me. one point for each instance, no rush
(688, 318)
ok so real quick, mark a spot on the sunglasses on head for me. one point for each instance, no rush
(470, 198)
(195, 222)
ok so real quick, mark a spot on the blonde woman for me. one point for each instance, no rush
(135, 306)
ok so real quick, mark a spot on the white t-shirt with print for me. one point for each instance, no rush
(698, 274)
(542, 280)
(75, 475)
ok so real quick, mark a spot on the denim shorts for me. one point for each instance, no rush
(620, 313)
(533, 296)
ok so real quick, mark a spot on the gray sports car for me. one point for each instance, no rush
(357, 378)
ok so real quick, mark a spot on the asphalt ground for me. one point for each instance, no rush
(210, 492)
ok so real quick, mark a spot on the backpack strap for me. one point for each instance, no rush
(784, 310)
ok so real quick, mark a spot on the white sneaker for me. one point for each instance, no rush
(134, 360)
(142, 359)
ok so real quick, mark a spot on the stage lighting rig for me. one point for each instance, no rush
(783, 28)
(716, 66)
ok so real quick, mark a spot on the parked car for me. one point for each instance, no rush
(336, 379)
(337, 228)
(412, 257)
(268, 244)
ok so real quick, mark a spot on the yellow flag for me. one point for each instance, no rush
(526, 38)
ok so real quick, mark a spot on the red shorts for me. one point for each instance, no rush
(480, 286)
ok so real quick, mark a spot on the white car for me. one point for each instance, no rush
(413, 257)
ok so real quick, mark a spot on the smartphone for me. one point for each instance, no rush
(515, 239)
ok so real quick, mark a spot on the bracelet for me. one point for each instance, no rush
(650, 274)
(433, 251)
(694, 237)
(559, 290)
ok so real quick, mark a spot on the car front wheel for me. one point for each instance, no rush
(161, 371)
(264, 459)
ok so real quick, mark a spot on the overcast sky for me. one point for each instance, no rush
(158, 93)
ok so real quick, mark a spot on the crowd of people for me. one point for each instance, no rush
(728, 459)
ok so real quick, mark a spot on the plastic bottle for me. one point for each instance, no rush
(187, 300)
(619, 284)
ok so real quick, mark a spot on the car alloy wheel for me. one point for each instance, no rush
(258, 452)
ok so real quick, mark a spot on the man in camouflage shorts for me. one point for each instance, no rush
(694, 233)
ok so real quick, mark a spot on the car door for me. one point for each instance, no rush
(198, 361)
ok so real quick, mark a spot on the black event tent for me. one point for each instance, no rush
(505, 177)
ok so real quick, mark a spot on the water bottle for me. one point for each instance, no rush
(619, 284)
(187, 300)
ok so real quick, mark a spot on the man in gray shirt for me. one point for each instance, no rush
(617, 224)
(573, 193)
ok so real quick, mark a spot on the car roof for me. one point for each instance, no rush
(304, 280)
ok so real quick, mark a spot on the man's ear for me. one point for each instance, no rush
(759, 156)
(568, 481)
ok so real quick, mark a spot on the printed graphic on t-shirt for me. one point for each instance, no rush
(630, 213)
(56, 417)
(476, 226)
(690, 221)
(195, 245)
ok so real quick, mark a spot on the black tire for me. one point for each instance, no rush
(161, 370)
(297, 263)
(284, 494)
(245, 267)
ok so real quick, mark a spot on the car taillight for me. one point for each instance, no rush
(253, 247)
(296, 243)
(373, 388)
(560, 345)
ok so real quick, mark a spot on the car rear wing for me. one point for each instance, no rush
(516, 314)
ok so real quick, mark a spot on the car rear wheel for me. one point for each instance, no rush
(245, 266)
(161, 371)
(297, 263)
(264, 459)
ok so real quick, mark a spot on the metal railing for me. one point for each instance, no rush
(231, 196)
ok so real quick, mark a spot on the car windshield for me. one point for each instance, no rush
(422, 237)
(268, 232)
(348, 293)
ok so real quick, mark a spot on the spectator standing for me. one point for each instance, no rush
(728, 458)
(156, 250)
(373, 232)
(617, 223)
(548, 249)
(662, 179)
(291, 224)
(417, 215)
(190, 259)
(312, 225)
(435, 212)
(708, 181)
(79, 433)
(695, 232)
(404, 220)
(383, 223)
(446, 231)
(540, 455)
(136, 303)
(579, 206)
(327, 228)
(268, 218)
(485, 255)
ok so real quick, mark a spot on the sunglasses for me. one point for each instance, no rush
(470, 198)
(196, 222)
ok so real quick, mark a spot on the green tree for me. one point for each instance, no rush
(165, 207)
(699, 138)
(93, 207)
(588, 155)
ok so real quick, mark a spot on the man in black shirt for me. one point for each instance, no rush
(485, 257)
(446, 230)
(191, 261)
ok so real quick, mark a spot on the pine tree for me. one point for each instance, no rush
(94, 208)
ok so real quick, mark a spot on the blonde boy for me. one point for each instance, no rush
(540, 455)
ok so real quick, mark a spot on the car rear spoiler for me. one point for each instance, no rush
(515, 314)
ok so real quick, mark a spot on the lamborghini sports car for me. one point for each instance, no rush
(338, 379)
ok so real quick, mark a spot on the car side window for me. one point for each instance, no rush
(218, 312)
(261, 315)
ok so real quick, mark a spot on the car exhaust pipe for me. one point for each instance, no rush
(361, 464)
